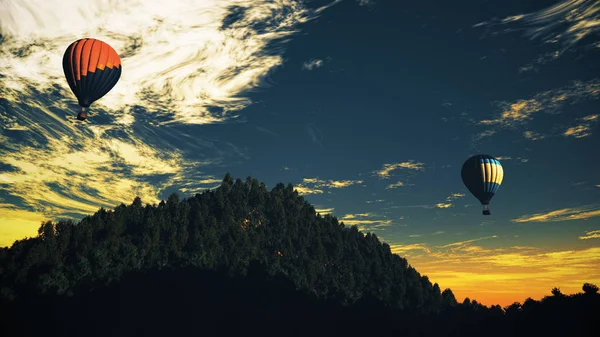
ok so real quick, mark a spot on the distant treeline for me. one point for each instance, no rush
(241, 260)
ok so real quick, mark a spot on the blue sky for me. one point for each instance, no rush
(368, 107)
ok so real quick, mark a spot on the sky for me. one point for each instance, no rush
(368, 107)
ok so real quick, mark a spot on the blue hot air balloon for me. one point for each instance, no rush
(482, 175)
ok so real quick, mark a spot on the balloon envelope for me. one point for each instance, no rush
(482, 175)
(92, 68)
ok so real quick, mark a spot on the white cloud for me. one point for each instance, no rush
(179, 57)
(183, 62)
(365, 2)
(313, 64)
(563, 25)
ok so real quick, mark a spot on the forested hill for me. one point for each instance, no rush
(232, 260)
(228, 227)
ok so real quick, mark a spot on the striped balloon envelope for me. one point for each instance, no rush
(92, 68)
(482, 175)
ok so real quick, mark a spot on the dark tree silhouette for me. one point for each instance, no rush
(243, 260)
(590, 289)
(556, 292)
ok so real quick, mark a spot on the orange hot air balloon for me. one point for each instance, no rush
(92, 69)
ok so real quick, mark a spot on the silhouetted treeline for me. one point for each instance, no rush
(241, 260)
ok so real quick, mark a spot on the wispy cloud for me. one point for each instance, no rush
(404, 249)
(518, 113)
(441, 205)
(590, 235)
(563, 25)
(184, 63)
(307, 190)
(564, 214)
(11, 123)
(466, 242)
(544, 58)
(366, 221)
(316, 185)
(267, 131)
(514, 115)
(65, 176)
(449, 200)
(385, 172)
(313, 64)
(481, 135)
(325, 210)
(219, 53)
(316, 136)
(331, 183)
(365, 2)
(583, 127)
(394, 185)
(427, 206)
(454, 196)
(532, 135)
(447, 204)
(193, 186)
(516, 159)
(341, 183)
(357, 215)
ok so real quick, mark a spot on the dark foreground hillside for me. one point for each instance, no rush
(244, 260)
(193, 302)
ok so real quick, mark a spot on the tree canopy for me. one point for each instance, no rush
(236, 232)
